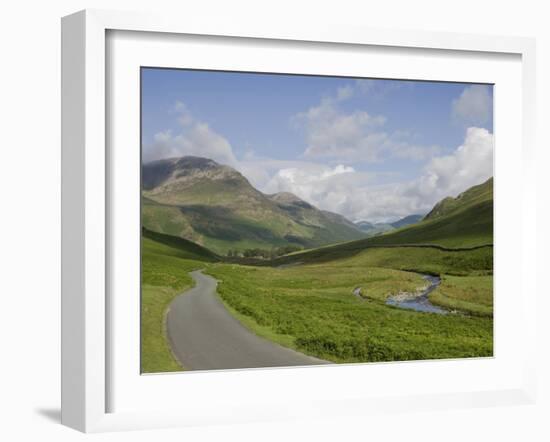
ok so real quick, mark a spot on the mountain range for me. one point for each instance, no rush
(215, 206)
(372, 229)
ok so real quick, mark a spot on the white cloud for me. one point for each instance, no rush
(261, 171)
(323, 186)
(355, 194)
(341, 188)
(469, 164)
(405, 150)
(354, 136)
(474, 106)
(330, 133)
(197, 138)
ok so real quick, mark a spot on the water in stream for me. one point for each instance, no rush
(421, 302)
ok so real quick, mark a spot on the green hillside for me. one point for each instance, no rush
(215, 206)
(174, 246)
(466, 223)
(472, 197)
(470, 227)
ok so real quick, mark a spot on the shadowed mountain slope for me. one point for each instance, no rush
(215, 206)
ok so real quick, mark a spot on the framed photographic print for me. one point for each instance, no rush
(322, 242)
(251, 213)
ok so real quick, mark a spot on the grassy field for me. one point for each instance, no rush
(165, 274)
(467, 281)
(470, 294)
(312, 309)
(466, 276)
(418, 259)
(306, 301)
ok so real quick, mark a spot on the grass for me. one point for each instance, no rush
(420, 259)
(424, 260)
(164, 275)
(333, 280)
(467, 281)
(470, 227)
(156, 356)
(469, 198)
(312, 309)
(470, 294)
(162, 244)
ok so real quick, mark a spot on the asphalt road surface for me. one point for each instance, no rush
(205, 336)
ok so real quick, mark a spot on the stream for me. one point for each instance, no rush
(419, 302)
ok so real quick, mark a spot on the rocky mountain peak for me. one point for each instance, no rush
(185, 168)
(285, 197)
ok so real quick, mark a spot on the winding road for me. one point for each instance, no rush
(203, 335)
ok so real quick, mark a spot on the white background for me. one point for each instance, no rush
(30, 219)
(255, 389)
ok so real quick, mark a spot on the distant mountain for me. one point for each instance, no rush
(407, 221)
(364, 225)
(328, 226)
(215, 206)
(337, 218)
(372, 229)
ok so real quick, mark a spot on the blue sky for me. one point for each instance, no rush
(404, 144)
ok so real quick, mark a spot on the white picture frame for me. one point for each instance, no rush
(86, 207)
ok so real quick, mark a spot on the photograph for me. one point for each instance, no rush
(299, 220)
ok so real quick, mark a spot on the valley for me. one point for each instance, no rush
(327, 296)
